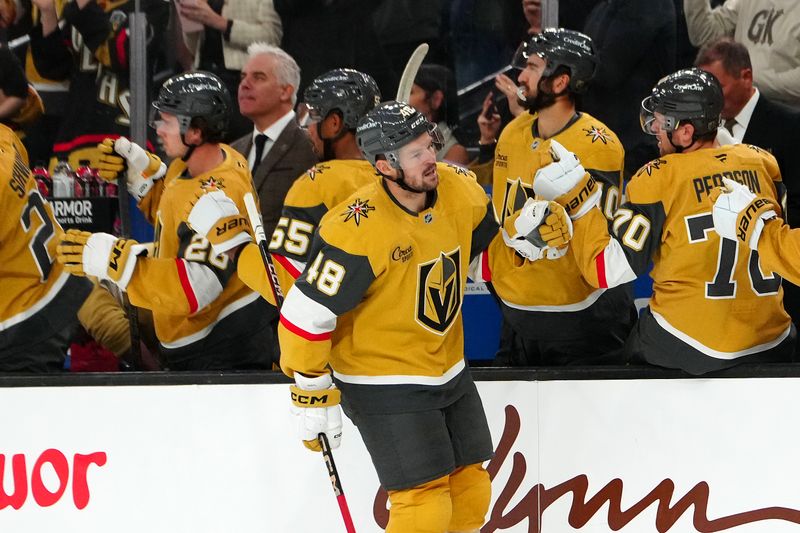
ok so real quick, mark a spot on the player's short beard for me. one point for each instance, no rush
(544, 97)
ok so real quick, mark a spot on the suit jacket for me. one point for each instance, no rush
(776, 128)
(290, 156)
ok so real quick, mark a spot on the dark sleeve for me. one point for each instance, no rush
(483, 233)
(51, 55)
(295, 231)
(612, 182)
(12, 75)
(638, 229)
(334, 278)
(196, 249)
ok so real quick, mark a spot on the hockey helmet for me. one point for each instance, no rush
(389, 127)
(691, 95)
(196, 95)
(348, 91)
(561, 47)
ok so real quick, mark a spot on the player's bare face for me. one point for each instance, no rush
(664, 145)
(418, 160)
(529, 78)
(169, 135)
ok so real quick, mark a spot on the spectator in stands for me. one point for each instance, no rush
(434, 95)
(92, 51)
(228, 28)
(38, 300)
(768, 28)
(635, 44)
(278, 151)
(750, 117)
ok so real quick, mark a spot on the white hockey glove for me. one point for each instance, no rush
(216, 217)
(566, 182)
(143, 167)
(99, 254)
(739, 214)
(541, 229)
(315, 404)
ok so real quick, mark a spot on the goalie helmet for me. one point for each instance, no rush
(689, 95)
(196, 95)
(561, 47)
(389, 127)
(348, 91)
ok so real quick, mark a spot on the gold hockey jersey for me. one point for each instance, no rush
(188, 288)
(311, 196)
(708, 292)
(380, 300)
(37, 298)
(546, 285)
(779, 250)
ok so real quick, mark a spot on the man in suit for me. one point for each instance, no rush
(278, 151)
(749, 117)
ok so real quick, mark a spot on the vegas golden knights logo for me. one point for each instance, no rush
(439, 291)
(515, 196)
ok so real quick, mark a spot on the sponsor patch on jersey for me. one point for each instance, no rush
(655, 164)
(598, 134)
(402, 253)
(212, 184)
(439, 292)
(357, 210)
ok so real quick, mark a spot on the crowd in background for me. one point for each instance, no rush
(64, 73)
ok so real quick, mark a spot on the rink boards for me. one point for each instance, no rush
(588, 455)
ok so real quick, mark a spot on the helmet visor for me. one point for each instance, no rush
(520, 59)
(653, 122)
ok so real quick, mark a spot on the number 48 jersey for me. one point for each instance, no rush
(708, 292)
(37, 298)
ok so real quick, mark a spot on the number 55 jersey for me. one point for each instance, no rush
(713, 305)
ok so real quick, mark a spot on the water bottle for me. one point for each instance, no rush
(83, 179)
(42, 177)
(63, 180)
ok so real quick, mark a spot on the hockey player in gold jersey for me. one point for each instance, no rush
(552, 314)
(204, 316)
(750, 220)
(39, 301)
(378, 310)
(714, 305)
(336, 100)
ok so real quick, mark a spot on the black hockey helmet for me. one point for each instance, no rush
(348, 91)
(389, 127)
(561, 47)
(196, 95)
(691, 95)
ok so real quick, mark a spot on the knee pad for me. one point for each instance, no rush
(471, 494)
(422, 509)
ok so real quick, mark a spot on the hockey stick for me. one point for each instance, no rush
(261, 239)
(410, 72)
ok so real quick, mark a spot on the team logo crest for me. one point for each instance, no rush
(212, 184)
(357, 210)
(598, 134)
(439, 292)
(461, 171)
(516, 194)
(655, 164)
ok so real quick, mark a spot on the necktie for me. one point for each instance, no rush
(261, 140)
(729, 124)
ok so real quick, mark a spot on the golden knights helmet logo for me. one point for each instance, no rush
(439, 291)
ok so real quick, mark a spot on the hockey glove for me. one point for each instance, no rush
(99, 254)
(566, 182)
(143, 167)
(541, 229)
(738, 214)
(315, 404)
(216, 217)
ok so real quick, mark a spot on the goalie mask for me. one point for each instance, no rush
(689, 95)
